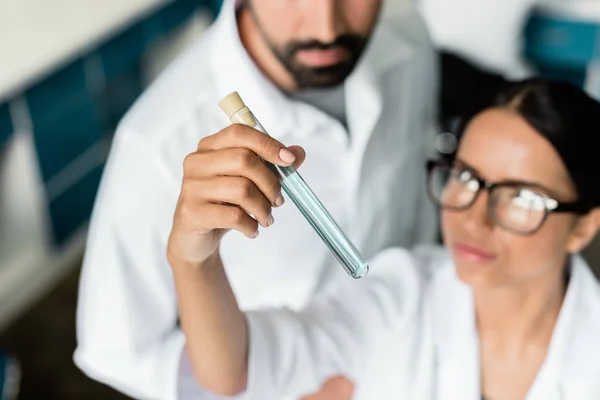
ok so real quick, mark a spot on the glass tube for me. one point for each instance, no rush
(311, 208)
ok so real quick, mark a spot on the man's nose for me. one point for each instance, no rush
(327, 23)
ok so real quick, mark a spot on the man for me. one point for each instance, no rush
(356, 92)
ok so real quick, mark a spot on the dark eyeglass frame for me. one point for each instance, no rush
(550, 205)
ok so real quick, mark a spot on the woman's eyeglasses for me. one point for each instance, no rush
(513, 206)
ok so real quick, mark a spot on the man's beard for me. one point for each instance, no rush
(320, 77)
(315, 77)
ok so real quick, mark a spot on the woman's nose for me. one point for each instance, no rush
(478, 218)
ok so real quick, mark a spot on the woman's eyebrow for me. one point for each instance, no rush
(466, 165)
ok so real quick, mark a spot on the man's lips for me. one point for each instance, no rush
(322, 58)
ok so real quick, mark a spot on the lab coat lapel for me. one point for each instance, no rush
(549, 382)
(364, 104)
(455, 338)
(571, 368)
(367, 93)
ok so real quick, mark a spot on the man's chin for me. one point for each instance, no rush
(321, 84)
(328, 77)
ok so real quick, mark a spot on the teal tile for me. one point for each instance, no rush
(119, 94)
(6, 127)
(59, 142)
(576, 77)
(3, 368)
(177, 13)
(124, 51)
(215, 6)
(561, 43)
(57, 95)
(152, 29)
(73, 208)
(65, 117)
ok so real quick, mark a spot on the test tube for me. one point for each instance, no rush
(303, 197)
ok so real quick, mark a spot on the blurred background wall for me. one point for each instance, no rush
(69, 70)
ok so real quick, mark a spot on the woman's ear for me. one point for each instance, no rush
(584, 231)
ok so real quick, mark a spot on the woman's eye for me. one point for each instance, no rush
(464, 176)
(466, 179)
(528, 199)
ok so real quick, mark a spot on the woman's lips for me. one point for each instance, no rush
(473, 254)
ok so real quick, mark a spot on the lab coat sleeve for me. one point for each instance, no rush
(293, 353)
(127, 335)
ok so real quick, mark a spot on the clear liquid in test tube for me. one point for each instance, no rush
(303, 197)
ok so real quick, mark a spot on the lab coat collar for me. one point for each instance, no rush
(369, 95)
(235, 71)
(570, 370)
(570, 365)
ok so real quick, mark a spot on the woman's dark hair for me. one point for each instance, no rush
(568, 118)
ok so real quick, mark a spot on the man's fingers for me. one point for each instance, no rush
(239, 135)
(216, 216)
(300, 155)
(336, 388)
(232, 191)
(235, 162)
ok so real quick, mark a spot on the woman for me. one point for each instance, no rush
(507, 310)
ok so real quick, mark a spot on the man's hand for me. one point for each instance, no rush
(224, 184)
(336, 388)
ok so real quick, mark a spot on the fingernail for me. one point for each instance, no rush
(279, 200)
(287, 156)
(270, 221)
(255, 235)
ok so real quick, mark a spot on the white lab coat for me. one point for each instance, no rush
(370, 178)
(407, 331)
